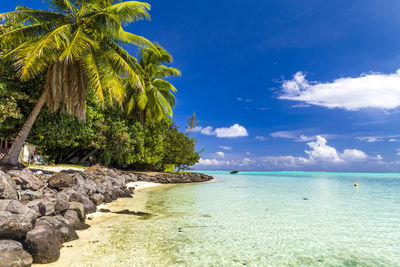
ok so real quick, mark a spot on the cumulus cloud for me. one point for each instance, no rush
(298, 136)
(233, 131)
(319, 152)
(206, 131)
(213, 162)
(354, 155)
(226, 147)
(374, 90)
(221, 154)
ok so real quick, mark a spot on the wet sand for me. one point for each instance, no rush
(97, 246)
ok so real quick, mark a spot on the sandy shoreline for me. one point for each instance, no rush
(77, 252)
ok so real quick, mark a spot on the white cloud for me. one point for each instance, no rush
(234, 131)
(298, 136)
(374, 90)
(320, 151)
(221, 154)
(261, 138)
(300, 106)
(285, 134)
(226, 147)
(225, 132)
(239, 99)
(372, 139)
(213, 162)
(354, 155)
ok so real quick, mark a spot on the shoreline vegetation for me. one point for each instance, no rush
(71, 92)
(41, 210)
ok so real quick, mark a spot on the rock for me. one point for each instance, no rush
(13, 254)
(97, 199)
(88, 205)
(47, 207)
(29, 195)
(65, 231)
(61, 203)
(43, 206)
(27, 179)
(74, 221)
(126, 193)
(61, 180)
(73, 195)
(7, 187)
(107, 198)
(79, 209)
(43, 243)
(113, 194)
(15, 219)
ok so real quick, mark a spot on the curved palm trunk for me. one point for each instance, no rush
(12, 155)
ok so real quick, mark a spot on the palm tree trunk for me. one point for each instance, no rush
(12, 155)
(91, 153)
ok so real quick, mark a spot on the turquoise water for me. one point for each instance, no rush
(277, 219)
(251, 219)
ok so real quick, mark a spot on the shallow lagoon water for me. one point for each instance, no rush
(252, 219)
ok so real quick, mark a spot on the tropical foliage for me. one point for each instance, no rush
(78, 44)
(103, 105)
(157, 99)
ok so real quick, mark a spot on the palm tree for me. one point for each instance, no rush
(155, 102)
(78, 46)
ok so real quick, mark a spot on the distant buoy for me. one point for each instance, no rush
(355, 184)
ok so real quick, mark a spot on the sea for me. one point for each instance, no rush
(253, 219)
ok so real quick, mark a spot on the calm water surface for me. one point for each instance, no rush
(263, 219)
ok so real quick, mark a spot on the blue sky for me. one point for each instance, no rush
(284, 85)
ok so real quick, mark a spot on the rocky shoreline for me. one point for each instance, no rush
(40, 210)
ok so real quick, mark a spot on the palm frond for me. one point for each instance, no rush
(130, 11)
(63, 5)
(18, 36)
(165, 72)
(33, 54)
(77, 46)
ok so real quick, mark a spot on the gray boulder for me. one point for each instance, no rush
(43, 243)
(88, 205)
(27, 179)
(97, 199)
(13, 254)
(7, 187)
(79, 209)
(65, 232)
(61, 180)
(43, 207)
(75, 196)
(29, 195)
(61, 202)
(15, 219)
(74, 220)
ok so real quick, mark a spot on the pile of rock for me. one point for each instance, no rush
(40, 211)
(173, 178)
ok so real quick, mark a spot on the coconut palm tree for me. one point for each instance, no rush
(156, 100)
(78, 46)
